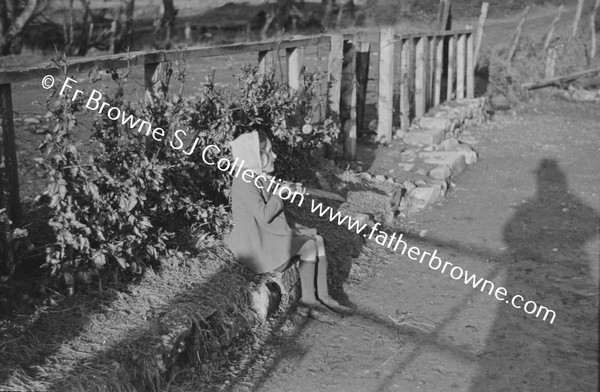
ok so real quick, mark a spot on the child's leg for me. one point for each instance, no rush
(322, 288)
(307, 269)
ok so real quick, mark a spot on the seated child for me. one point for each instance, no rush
(262, 239)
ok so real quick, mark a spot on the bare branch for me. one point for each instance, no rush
(22, 20)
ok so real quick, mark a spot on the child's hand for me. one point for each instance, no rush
(294, 187)
(299, 188)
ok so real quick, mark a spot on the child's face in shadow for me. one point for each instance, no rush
(267, 158)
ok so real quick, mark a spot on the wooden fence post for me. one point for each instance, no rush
(385, 106)
(334, 79)
(334, 76)
(460, 66)
(515, 43)
(362, 78)
(348, 98)
(553, 27)
(154, 85)
(266, 62)
(440, 13)
(430, 70)
(550, 63)
(9, 179)
(155, 88)
(576, 21)
(593, 29)
(405, 66)
(470, 68)
(420, 78)
(444, 15)
(451, 68)
(439, 64)
(480, 27)
(113, 35)
(295, 67)
(412, 76)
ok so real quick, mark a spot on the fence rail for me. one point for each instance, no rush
(425, 59)
(124, 60)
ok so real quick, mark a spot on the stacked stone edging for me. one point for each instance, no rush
(580, 95)
(438, 150)
(438, 136)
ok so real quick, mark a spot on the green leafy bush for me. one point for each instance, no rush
(124, 198)
(99, 199)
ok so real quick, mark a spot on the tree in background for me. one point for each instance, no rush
(14, 17)
(328, 10)
(122, 27)
(287, 16)
(115, 39)
(86, 34)
(126, 37)
(330, 5)
(166, 21)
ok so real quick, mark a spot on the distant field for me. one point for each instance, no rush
(145, 8)
(222, 21)
(25, 94)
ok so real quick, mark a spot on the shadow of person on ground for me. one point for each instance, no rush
(547, 264)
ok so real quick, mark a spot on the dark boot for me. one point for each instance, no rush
(323, 291)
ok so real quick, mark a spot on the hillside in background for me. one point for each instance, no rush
(215, 22)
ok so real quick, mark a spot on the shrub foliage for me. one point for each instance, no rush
(122, 199)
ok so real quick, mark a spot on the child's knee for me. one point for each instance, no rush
(308, 251)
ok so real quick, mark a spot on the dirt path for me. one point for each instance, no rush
(524, 217)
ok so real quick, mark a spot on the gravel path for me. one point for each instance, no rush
(525, 217)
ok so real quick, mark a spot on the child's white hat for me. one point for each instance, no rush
(246, 151)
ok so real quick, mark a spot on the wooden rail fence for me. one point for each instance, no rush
(425, 58)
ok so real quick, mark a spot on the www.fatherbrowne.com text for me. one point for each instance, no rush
(393, 242)
(396, 242)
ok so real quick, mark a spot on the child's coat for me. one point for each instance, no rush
(261, 238)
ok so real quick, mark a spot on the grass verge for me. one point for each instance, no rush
(193, 313)
(126, 340)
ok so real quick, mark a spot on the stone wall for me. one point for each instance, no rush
(438, 148)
